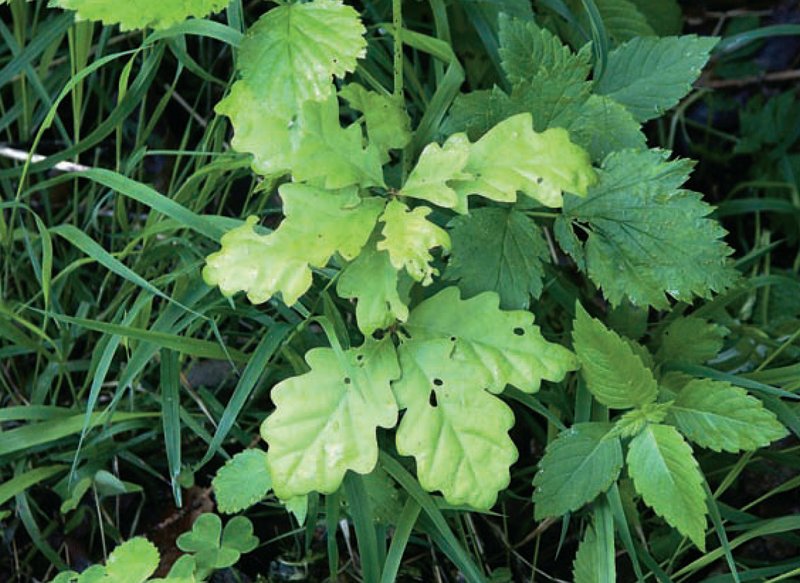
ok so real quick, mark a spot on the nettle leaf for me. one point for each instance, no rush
(720, 416)
(318, 224)
(646, 236)
(691, 339)
(579, 464)
(388, 124)
(601, 126)
(380, 290)
(325, 420)
(242, 481)
(456, 431)
(634, 421)
(512, 157)
(500, 250)
(506, 345)
(437, 165)
(142, 13)
(409, 237)
(614, 374)
(650, 75)
(668, 478)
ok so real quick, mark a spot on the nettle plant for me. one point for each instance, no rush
(440, 226)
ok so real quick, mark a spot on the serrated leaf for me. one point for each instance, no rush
(500, 250)
(318, 224)
(634, 421)
(720, 416)
(377, 287)
(242, 481)
(650, 75)
(388, 124)
(142, 13)
(408, 237)
(646, 236)
(437, 165)
(133, 561)
(506, 345)
(614, 374)
(579, 464)
(601, 126)
(692, 340)
(668, 478)
(456, 431)
(584, 567)
(325, 420)
(512, 157)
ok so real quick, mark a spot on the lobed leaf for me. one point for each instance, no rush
(133, 14)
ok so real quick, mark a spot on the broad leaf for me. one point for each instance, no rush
(614, 374)
(691, 340)
(584, 567)
(506, 345)
(646, 236)
(650, 75)
(456, 431)
(409, 237)
(437, 165)
(242, 481)
(719, 416)
(388, 125)
(579, 464)
(318, 224)
(667, 476)
(325, 420)
(133, 14)
(133, 561)
(601, 126)
(500, 250)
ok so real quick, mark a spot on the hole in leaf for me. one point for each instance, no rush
(378, 334)
(432, 399)
(452, 339)
(438, 382)
(360, 358)
(347, 380)
(519, 331)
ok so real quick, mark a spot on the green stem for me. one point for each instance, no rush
(397, 23)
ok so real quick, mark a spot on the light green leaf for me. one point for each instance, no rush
(512, 157)
(325, 420)
(584, 567)
(614, 374)
(436, 166)
(719, 416)
(215, 548)
(647, 236)
(388, 124)
(667, 476)
(579, 464)
(408, 237)
(242, 481)
(375, 284)
(456, 431)
(298, 507)
(142, 13)
(133, 561)
(692, 340)
(634, 421)
(506, 345)
(318, 224)
(601, 126)
(650, 75)
(500, 250)
(182, 571)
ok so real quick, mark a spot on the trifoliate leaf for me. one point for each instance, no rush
(409, 237)
(579, 464)
(646, 236)
(436, 166)
(242, 481)
(667, 476)
(325, 420)
(133, 561)
(719, 416)
(456, 431)
(614, 374)
(506, 345)
(692, 340)
(142, 13)
(601, 126)
(512, 157)
(215, 548)
(388, 124)
(182, 571)
(375, 284)
(318, 224)
(500, 250)
(650, 75)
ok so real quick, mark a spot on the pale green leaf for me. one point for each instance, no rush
(506, 345)
(614, 374)
(298, 507)
(692, 340)
(634, 421)
(318, 224)
(500, 250)
(242, 481)
(388, 124)
(646, 236)
(133, 14)
(437, 165)
(668, 478)
(377, 287)
(456, 431)
(601, 126)
(579, 464)
(720, 416)
(133, 561)
(325, 420)
(408, 237)
(650, 75)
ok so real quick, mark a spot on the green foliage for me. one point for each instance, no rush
(142, 13)
(706, 341)
(214, 548)
(242, 481)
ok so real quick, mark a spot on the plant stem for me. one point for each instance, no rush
(397, 24)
